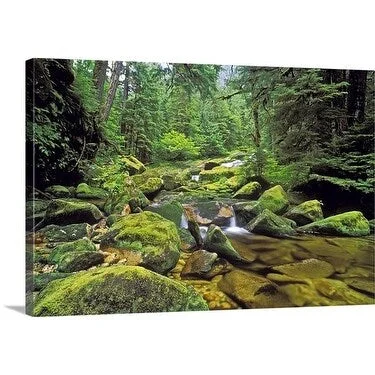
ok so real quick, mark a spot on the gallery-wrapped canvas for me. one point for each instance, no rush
(160, 187)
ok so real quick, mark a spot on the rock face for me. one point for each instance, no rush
(252, 291)
(63, 212)
(198, 264)
(171, 210)
(71, 232)
(133, 165)
(306, 212)
(85, 191)
(269, 224)
(216, 241)
(275, 199)
(151, 187)
(249, 191)
(308, 268)
(116, 289)
(75, 256)
(247, 211)
(58, 191)
(352, 224)
(145, 239)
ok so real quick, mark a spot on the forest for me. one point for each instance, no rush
(171, 187)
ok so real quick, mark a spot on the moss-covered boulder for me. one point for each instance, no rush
(133, 165)
(63, 212)
(85, 191)
(116, 289)
(170, 182)
(172, 211)
(75, 256)
(275, 199)
(217, 173)
(66, 233)
(306, 212)
(235, 182)
(352, 224)
(249, 191)
(307, 268)
(151, 187)
(247, 211)
(252, 291)
(35, 211)
(187, 240)
(145, 239)
(216, 241)
(58, 191)
(41, 280)
(130, 194)
(269, 224)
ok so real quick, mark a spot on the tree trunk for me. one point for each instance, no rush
(256, 134)
(116, 72)
(126, 85)
(356, 96)
(99, 77)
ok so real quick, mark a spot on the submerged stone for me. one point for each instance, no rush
(306, 212)
(352, 224)
(145, 239)
(116, 289)
(275, 199)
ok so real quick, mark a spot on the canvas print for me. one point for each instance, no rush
(163, 187)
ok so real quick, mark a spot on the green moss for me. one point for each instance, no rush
(235, 182)
(58, 191)
(249, 191)
(71, 232)
(171, 211)
(85, 191)
(275, 199)
(158, 240)
(351, 223)
(116, 289)
(41, 280)
(36, 206)
(133, 165)
(63, 212)
(306, 212)
(215, 174)
(151, 186)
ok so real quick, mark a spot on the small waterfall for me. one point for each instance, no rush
(184, 222)
(233, 222)
(234, 163)
(195, 177)
(203, 232)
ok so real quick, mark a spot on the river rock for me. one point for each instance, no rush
(247, 211)
(75, 256)
(169, 182)
(308, 268)
(224, 216)
(145, 239)
(219, 267)
(352, 224)
(200, 262)
(84, 191)
(172, 211)
(151, 187)
(249, 191)
(116, 289)
(58, 191)
(275, 199)
(216, 174)
(216, 241)
(64, 212)
(252, 291)
(306, 212)
(66, 233)
(133, 165)
(269, 224)
(187, 240)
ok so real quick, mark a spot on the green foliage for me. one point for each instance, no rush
(176, 146)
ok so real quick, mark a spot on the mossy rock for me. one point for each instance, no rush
(275, 199)
(170, 182)
(148, 240)
(111, 219)
(352, 224)
(85, 191)
(235, 182)
(66, 233)
(58, 191)
(151, 187)
(75, 256)
(187, 240)
(306, 212)
(308, 268)
(116, 289)
(133, 165)
(35, 211)
(372, 226)
(64, 212)
(172, 211)
(252, 291)
(269, 224)
(129, 195)
(216, 241)
(41, 280)
(247, 211)
(249, 191)
(217, 173)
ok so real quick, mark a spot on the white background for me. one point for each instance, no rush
(279, 33)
